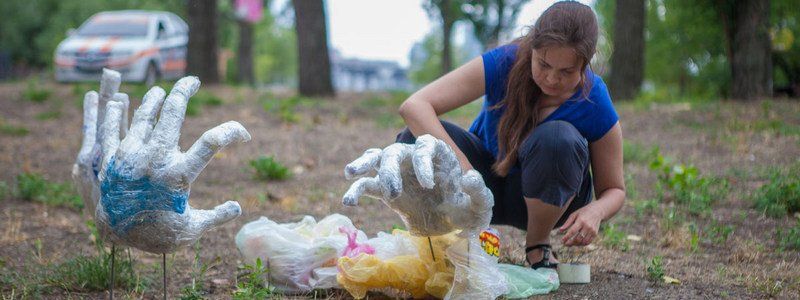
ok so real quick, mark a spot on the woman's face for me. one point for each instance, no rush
(556, 70)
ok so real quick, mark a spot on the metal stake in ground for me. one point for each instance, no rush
(430, 243)
(111, 284)
(164, 272)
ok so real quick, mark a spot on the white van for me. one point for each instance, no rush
(142, 45)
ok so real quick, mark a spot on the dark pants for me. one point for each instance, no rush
(552, 165)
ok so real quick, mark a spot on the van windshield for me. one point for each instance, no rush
(124, 26)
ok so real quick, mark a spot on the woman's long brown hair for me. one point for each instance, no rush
(569, 24)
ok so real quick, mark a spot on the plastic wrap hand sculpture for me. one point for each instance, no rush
(138, 179)
(424, 185)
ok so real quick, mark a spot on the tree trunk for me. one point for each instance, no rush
(244, 57)
(314, 68)
(447, 29)
(627, 60)
(201, 57)
(751, 66)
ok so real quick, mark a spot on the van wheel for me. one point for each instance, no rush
(151, 75)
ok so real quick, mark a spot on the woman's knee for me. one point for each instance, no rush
(554, 141)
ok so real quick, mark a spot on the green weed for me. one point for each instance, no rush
(780, 195)
(49, 115)
(251, 284)
(196, 289)
(655, 268)
(636, 153)
(719, 233)
(34, 187)
(5, 190)
(684, 185)
(267, 168)
(202, 99)
(694, 238)
(645, 207)
(8, 129)
(671, 219)
(34, 93)
(287, 108)
(614, 238)
(93, 273)
(789, 240)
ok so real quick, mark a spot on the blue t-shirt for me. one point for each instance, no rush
(592, 118)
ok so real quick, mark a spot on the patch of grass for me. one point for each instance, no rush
(34, 187)
(80, 90)
(267, 168)
(8, 129)
(684, 185)
(645, 207)
(92, 273)
(251, 284)
(34, 93)
(49, 115)
(719, 233)
(671, 220)
(636, 153)
(5, 190)
(779, 196)
(202, 99)
(694, 238)
(789, 240)
(655, 268)
(196, 289)
(614, 238)
(287, 108)
(389, 101)
(468, 111)
(389, 120)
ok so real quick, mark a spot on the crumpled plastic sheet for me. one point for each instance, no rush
(423, 183)
(443, 267)
(137, 180)
(524, 282)
(301, 256)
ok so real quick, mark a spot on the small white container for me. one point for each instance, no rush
(574, 273)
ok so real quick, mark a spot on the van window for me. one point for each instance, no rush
(115, 26)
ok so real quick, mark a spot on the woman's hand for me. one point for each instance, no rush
(582, 226)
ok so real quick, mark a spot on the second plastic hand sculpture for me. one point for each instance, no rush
(142, 183)
(423, 183)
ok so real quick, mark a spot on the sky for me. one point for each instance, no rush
(387, 29)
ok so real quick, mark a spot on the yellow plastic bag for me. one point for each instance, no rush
(419, 274)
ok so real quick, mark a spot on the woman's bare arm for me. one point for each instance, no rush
(609, 182)
(453, 90)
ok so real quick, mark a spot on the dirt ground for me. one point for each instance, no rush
(715, 137)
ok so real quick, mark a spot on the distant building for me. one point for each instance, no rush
(358, 75)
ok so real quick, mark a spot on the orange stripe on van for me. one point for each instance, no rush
(86, 44)
(109, 44)
(174, 64)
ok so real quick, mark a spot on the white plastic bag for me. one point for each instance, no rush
(302, 255)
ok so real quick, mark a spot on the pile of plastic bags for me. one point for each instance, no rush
(332, 253)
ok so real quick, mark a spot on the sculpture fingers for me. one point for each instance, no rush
(206, 219)
(167, 131)
(389, 173)
(144, 118)
(110, 138)
(126, 103)
(370, 186)
(481, 197)
(89, 128)
(109, 85)
(362, 165)
(422, 159)
(211, 142)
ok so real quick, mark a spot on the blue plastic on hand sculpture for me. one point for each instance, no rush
(137, 180)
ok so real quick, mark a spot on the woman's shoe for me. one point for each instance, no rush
(545, 262)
